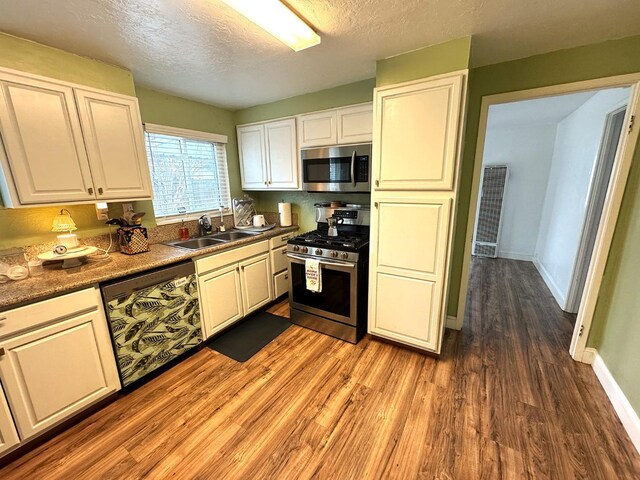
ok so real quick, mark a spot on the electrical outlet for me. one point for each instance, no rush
(127, 207)
(102, 211)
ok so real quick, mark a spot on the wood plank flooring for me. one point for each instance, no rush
(505, 400)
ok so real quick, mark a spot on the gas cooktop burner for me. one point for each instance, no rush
(352, 240)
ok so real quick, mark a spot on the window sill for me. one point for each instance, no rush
(190, 217)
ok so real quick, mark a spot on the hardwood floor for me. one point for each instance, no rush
(505, 400)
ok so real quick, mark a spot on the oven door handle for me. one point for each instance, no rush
(323, 262)
(353, 168)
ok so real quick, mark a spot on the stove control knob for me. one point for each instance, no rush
(345, 255)
(334, 254)
(304, 249)
(318, 251)
(296, 248)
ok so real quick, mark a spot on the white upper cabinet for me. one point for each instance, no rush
(67, 144)
(269, 155)
(355, 124)
(416, 135)
(318, 129)
(115, 145)
(341, 126)
(251, 149)
(45, 160)
(282, 154)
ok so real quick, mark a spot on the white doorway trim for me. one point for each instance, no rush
(612, 203)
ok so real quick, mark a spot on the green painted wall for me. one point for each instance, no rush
(424, 62)
(26, 226)
(616, 328)
(302, 202)
(358, 92)
(39, 59)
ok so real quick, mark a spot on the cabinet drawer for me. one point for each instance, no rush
(280, 240)
(281, 283)
(46, 311)
(217, 260)
(279, 259)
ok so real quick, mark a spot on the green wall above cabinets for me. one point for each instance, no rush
(349, 94)
(28, 56)
(424, 62)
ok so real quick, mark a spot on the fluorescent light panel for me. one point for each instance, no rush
(274, 17)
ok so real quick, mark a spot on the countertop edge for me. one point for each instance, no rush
(89, 278)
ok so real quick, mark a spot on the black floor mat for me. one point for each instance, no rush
(250, 336)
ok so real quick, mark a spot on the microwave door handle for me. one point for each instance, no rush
(353, 168)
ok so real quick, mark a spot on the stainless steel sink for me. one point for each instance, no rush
(196, 243)
(211, 240)
(232, 235)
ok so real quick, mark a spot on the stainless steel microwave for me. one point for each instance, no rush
(344, 168)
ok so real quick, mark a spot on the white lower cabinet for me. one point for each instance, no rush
(280, 283)
(221, 298)
(55, 360)
(8, 434)
(233, 284)
(255, 275)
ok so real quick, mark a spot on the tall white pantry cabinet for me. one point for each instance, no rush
(416, 166)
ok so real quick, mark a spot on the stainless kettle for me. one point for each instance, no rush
(333, 225)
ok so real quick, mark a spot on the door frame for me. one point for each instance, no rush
(599, 185)
(612, 204)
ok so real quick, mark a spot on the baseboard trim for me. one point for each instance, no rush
(452, 323)
(516, 256)
(621, 405)
(548, 280)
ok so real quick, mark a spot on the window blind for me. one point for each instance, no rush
(188, 173)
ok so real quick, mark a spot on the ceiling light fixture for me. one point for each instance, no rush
(277, 19)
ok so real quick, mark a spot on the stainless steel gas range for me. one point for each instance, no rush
(340, 308)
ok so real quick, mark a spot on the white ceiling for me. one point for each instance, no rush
(548, 110)
(202, 49)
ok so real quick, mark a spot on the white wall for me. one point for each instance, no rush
(576, 150)
(528, 150)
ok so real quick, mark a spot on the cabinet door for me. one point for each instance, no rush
(53, 372)
(317, 129)
(256, 283)
(8, 434)
(220, 299)
(416, 135)
(408, 271)
(282, 154)
(280, 284)
(355, 124)
(252, 152)
(41, 133)
(115, 145)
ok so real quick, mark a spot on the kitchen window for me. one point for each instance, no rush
(188, 172)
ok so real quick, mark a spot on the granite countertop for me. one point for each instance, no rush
(53, 282)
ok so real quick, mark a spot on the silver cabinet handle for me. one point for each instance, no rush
(2, 352)
(100, 190)
(90, 190)
(285, 238)
(2, 319)
(284, 251)
(377, 183)
(353, 168)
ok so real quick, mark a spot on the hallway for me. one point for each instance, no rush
(504, 401)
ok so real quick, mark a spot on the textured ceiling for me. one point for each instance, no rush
(202, 49)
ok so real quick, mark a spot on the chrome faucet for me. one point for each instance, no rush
(204, 225)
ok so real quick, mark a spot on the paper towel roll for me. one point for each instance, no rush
(284, 209)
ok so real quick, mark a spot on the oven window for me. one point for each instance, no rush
(327, 170)
(336, 290)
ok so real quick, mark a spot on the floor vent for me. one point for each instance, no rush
(489, 216)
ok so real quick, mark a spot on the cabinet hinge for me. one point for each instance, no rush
(581, 330)
(631, 121)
